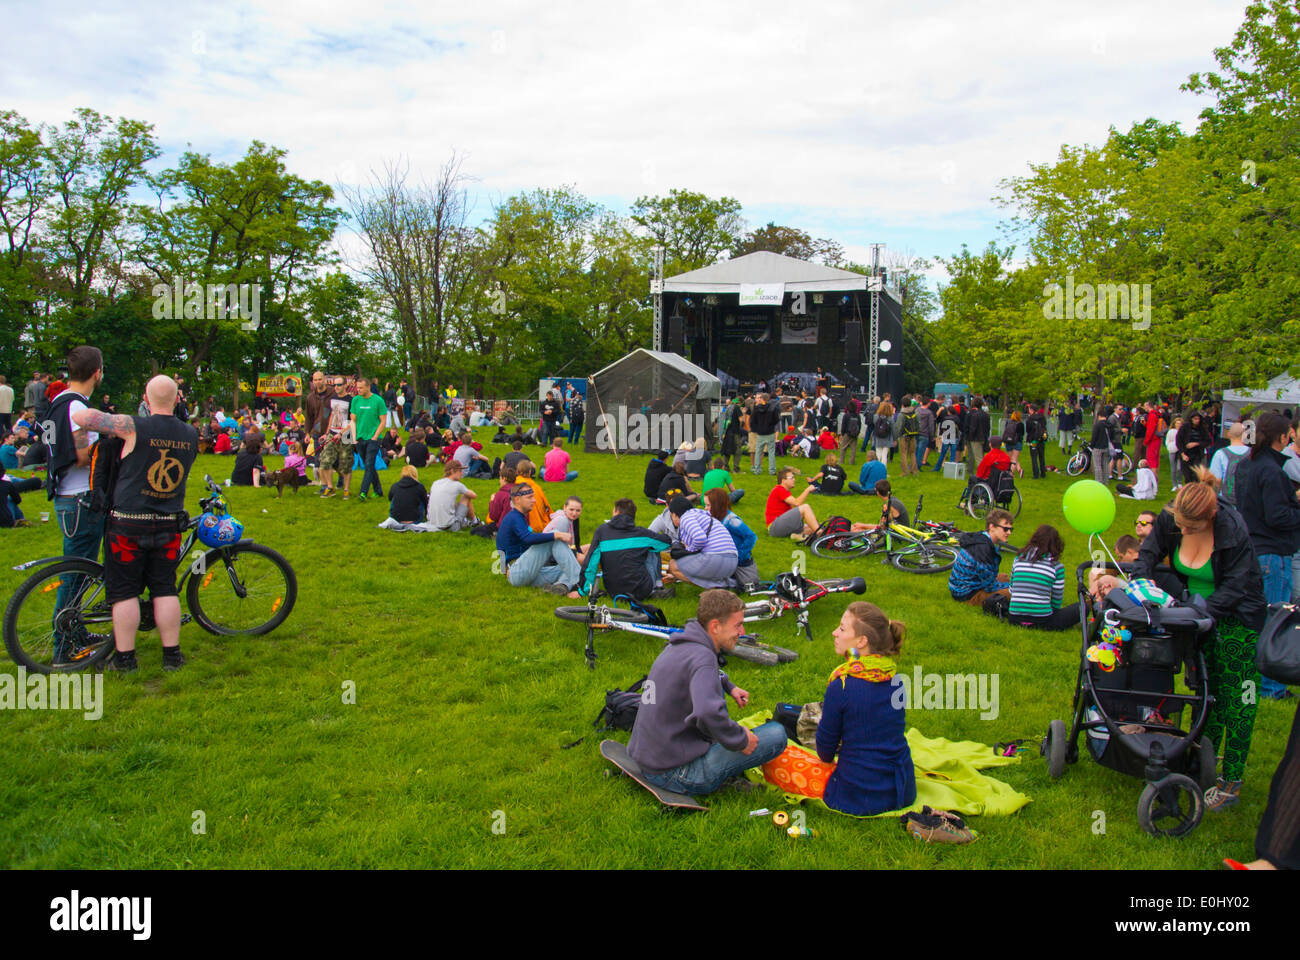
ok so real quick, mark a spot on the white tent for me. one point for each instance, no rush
(1282, 393)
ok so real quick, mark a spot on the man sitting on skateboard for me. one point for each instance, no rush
(683, 739)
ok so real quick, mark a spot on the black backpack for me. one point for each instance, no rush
(621, 706)
(882, 426)
(576, 410)
(105, 461)
(852, 425)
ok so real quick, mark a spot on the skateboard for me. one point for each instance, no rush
(616, 753)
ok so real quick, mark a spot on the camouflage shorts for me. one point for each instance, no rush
(336, 456)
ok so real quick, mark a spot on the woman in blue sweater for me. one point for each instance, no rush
(863, 719)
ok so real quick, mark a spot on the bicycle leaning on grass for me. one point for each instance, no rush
(59, 620)
(929, 547)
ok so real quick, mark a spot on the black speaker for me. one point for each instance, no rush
(852, 343)
(675, 342)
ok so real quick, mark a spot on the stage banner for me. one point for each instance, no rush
(279, 384)
(799, 330)
(762, 294)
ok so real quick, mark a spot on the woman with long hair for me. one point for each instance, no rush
(1013, 433)
(1207, 544)
(1038, 584)
(883, 439)
(1194, 440)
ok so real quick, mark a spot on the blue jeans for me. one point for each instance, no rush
(1276, 570)
(705, 774)
(575, 430)
(531, 569)
(369, 449)
(479, 469)
(83, 535)
(947, 451)
(922, 445)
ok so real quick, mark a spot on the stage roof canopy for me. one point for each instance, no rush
(765, 267)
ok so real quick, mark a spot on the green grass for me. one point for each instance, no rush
(467, 690)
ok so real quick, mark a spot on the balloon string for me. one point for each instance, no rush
(1097, 536)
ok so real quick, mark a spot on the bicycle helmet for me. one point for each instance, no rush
(219, 531)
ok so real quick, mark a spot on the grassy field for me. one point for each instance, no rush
(468, 689)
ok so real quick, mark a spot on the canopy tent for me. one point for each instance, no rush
(1282, 393)
(765, 268)
(649, 400)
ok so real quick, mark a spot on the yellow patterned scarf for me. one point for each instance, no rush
(873, 667)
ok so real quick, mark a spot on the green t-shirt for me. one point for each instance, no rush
(368, 411)
(716, 478)
(1200, 580)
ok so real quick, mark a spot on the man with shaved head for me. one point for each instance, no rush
(146, 518)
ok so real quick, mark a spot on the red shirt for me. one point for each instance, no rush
(499, 504)
(223, 443)
(776, 503)
(994, 458)
(827, 441)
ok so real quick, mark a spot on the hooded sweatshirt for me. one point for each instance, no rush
(688, 712)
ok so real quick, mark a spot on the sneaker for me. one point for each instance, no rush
(663, 593)
(346, 495)
(173, 659)
(937, 826)
(360, 498)
(558, 589)
(22, 522)
(121, 662)
(1224, 794)
(326, 492)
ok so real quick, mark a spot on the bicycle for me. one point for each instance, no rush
(789, 591)
(929, 547)
(1081, 462)
(262, 590)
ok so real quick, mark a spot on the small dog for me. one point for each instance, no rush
(289, 477)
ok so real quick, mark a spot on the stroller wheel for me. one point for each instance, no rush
(1171, 807)
(1054, 749)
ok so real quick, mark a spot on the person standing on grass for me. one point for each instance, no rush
(978, 427)
(848, 429)
(336, 445)
(909, 435)
(577, 417)
(787, 515)
(1207, 543)
(683, 739)
(1036, 438)
(762, 425)
(1266, 499)
(367, 412)
(1171, 447)
(6, 406)
(144, 532)
(1099, 444)
(925, 440)
(528, 555)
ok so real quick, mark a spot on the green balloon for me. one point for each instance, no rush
(1089, 506)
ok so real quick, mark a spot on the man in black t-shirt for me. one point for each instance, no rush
(147, 518)
(417, 454)
(551, 411)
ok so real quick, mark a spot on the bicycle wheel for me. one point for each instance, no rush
(1125, 464)
(841, 546)
(980, 501)
(584, 614)
(755, 653)
(61, 604)
(925, 559)
(246, 589)
(1013, 503)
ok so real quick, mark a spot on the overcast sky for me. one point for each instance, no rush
(856, 121)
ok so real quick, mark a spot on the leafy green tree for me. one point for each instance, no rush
(693, 229)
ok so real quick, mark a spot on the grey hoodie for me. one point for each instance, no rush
(683, 710)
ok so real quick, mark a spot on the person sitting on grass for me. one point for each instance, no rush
(249, 470)
(556, 464)
(500, 501)
(1144, 489)
(830, 480)
(626, 557)
(674, 484)
(11, 515)
(860, 722)
(873, 471)
(566, 520)
(888, 502)
(417, 453)
(974, 577)
(744, 538)
(720, 478)
(407, 503)
(535, 559)
(695, 457)
(710, 557)
(655, 471)
(451, 503)
(1038, 584)
(472, 462)
(826, 440)
(683, 739)
(540, 515)
(786, 514)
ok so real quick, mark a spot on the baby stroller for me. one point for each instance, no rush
(1126, 708)
(999, 490)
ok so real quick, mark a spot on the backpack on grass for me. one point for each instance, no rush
(832, 525)
(621, 706)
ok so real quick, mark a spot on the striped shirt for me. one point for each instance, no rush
(700, 532)
(1037, 586)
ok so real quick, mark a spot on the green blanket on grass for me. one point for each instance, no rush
(947, 775)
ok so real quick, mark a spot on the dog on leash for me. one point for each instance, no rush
(289, 477)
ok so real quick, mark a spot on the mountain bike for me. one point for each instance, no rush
(929, 547)
(789, 591)
(59, 621)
